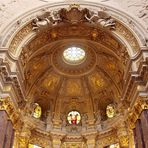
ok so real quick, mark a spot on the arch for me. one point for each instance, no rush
(23, 33)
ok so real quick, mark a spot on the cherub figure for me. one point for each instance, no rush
(101, 18)
(46, 20)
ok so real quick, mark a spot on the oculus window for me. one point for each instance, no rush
(74, 55)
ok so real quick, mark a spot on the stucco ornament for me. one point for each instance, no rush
(74, 15)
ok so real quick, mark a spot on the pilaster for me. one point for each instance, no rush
(123, 136)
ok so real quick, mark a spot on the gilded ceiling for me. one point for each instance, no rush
(96, 85)
(99, 78)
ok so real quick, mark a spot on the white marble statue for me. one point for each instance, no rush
(101, 18)
(46, 20)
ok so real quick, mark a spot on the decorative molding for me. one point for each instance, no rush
(11, 79)
(13, 113)
(140, 105)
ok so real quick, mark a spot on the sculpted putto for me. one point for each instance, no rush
(74, 16)
(46, 20)
(101, 18)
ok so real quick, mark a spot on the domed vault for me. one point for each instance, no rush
(75, 73)
(59, 86)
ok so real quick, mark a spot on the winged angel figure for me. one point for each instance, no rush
(102, 19)
(46, 20)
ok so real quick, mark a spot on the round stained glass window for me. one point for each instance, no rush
(74, 117)
(74, 55)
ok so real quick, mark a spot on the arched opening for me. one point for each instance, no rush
(75, 59)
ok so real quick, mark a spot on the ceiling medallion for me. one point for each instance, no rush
(74, 55)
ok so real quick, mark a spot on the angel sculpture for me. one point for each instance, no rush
(45, 20)
(101, 18)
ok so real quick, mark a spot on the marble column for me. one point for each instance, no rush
(9, 135)
(3, 127)
(6, 130)
(139, 135)
(144, 126)
(141, 130)
(135, 138)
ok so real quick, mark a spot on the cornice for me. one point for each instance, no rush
(13, 112)
(12, 78)
(135, 79)
(134, 113)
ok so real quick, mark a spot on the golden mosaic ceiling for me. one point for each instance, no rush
(48, 77)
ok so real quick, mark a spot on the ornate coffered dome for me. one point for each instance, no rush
(95, 81)
(73, 72)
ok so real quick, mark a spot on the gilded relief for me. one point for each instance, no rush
(96, 81)
(50, 82)
(111, 66)
(19, 38)
(124, 32)
(73, 87)
(36, 67)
